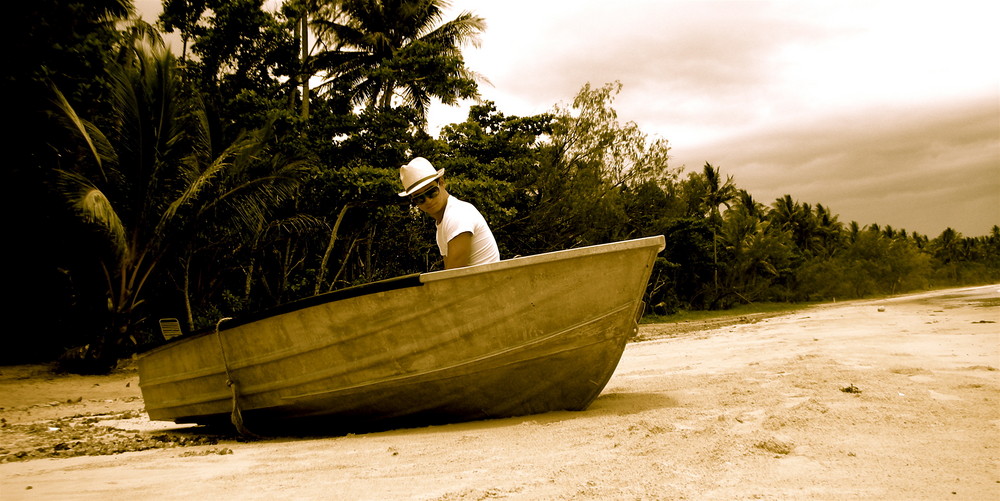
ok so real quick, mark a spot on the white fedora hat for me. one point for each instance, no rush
(417, 174)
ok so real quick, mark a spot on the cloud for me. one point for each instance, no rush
(678, 57)
(920, 168)
(887, 112)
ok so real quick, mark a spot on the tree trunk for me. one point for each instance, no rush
(343, 262)
(321, 274)
(186, 286)
(715, 263)
(305, 74)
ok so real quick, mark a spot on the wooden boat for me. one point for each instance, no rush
(521, 336)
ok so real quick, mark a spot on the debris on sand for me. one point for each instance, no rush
(84, 435)
(851, 389)
(775, 446)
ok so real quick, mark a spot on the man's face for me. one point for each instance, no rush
(430, 199)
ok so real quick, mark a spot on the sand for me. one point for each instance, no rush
(894, 398)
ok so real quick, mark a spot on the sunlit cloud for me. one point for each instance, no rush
(887, 112)
(923, 169)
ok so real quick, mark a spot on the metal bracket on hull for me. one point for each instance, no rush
(237, 415)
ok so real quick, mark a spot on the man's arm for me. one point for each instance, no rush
(459, 251)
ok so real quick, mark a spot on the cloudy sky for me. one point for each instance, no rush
(886, 112)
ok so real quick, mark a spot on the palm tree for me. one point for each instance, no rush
(948, 246)
(783, 212)
(389, 48)
(829, 230)
(717, 192)
(749, 206)
(853, 231)
(151, 181)
(757, 255)
(814, 232)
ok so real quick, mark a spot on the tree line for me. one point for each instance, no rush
(260, 165)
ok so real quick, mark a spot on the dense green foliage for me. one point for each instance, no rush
(218, 183)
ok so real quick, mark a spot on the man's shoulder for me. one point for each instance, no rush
(460, 212)
(461, 205)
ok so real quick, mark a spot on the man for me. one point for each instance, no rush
(463, 237)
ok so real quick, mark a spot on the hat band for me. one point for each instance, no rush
(432, 176)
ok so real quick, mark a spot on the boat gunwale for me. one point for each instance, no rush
(546, 257)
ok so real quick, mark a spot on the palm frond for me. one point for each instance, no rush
(97, 143)
(465, 28)
(93, 207)
(205, 178)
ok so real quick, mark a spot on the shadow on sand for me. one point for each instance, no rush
(616, 404)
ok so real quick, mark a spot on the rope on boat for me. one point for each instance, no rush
(237, 416)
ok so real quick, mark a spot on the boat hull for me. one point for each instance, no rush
(522, 336)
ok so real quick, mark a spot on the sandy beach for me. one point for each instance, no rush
(895, 398)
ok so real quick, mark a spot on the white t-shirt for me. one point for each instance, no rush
(460, 217)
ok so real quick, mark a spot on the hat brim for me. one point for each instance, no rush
(422, 183)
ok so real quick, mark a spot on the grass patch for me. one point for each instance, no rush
(738, 311)
(988, 302)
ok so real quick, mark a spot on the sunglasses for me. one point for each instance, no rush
(423, 197)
